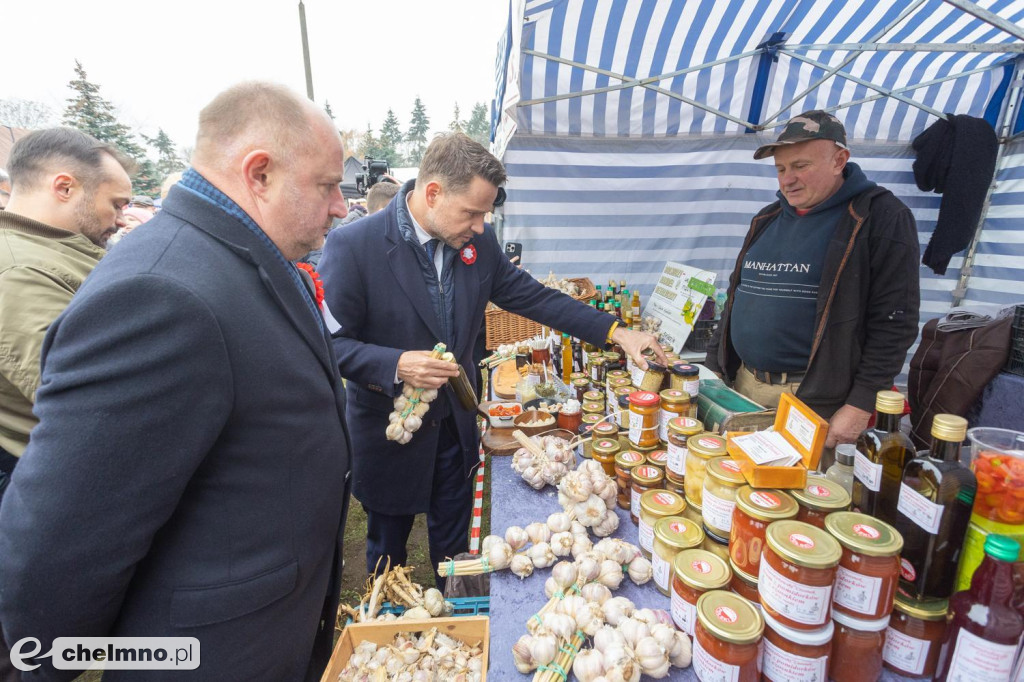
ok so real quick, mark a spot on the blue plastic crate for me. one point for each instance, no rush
(464, 606)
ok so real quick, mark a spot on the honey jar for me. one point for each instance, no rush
(603, 451)
(655, 505)
(680, 429)
(719, 499)
(672, 535)
(699, 450)
(674, 403)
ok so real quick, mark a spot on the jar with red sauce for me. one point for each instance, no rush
(914, 638)
(727, 639)
(869, 570)
(695, 571)
(857, 648)
(798, 568)
(790, 655)
(745, 585)
(755, 509)
(819, 498)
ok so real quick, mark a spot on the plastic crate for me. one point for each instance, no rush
(464, 606)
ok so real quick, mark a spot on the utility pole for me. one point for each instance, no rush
(305, 51)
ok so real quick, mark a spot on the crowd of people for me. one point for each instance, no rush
(184, 417)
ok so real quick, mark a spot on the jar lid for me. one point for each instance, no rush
(658, 458)
(685, 426)
(673, 396)
(628, 459)
(729, 617)
(662, 503)
(620, 382)
(685, 370)
(644, 399)
(645, 450)
(949, 427)
(605, 446)
(646, 475)
(889, 402)
(592, 419)
(743, 575)
(726, 471)
(715, 537)
(624, 399)
(929, 609)
(678, 532)
(822, 494)
(803, 544)
(617, 374)
(859, 624)
(582, 382)
(655, 367)
(766, 505)
(804, 637)
(624, 390)
(578, 375)
(1002, 547)
(612, 356)
(593, 407)
(701, 569)
(706, 445)
(606, 430)
(594, 396)
(666, 347)
(864, 534)
(585, 427)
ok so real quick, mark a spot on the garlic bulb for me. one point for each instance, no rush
(538, 532)
(404, 438)
(534, 477)
(588, 665)
(394, 431)
(652, 658)
(561, 625)
(576, 486)
(633, 630)
(596, 592)
(543, 647)
(590, 467)
(620, 664)
(580, 544)
(591, 511)
(561, 543)
(588, 566)
(541, 555)
(489, 542)
(433, 602)
(640, 570)
(646, 615)
(616, 610)
(412, 423)
(564, 573)
(420, 409)
(611, 574)
(559, 522)
(499, 556)
(550, 587)
(665, 635)
(428, 395)
(577, 528)
(521, 655)
(680, 652)
(416, 613)
(516, 538)
(521, 566)
(400, 404)
(607, 637)
(589, 617)
(569, 604)
(607, 525)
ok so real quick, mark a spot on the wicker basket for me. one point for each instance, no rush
(505, 327)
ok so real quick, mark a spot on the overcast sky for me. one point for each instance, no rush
(160, 62)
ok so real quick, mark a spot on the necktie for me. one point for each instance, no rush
(431, 247)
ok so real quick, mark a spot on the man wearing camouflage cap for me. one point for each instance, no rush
(824, 297)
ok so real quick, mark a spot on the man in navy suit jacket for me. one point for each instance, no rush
(398, 282)
(188, 475)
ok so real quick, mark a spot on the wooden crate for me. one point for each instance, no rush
(505, 327)
(470, 629)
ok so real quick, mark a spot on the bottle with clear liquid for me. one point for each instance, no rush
(882, 452)
(934, 506)
(842, 470)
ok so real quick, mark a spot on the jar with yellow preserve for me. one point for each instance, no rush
(649, 379)
(674, 403)
(719, 497)
(699, 450)
(819, 498)
(694, 572)
(693, 512)
(603, 450)
(716, 543)
(614, 384)
(644, 478)
(655, 505)
(585, 435)
(672, 535)
(624, 463)
(644, 408)
(680, 430)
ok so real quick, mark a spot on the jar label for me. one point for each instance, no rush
(801, 541)
(664, 499)
(730, 465)
(636, 427)
(907, 653)
(636, 375)
(708, 667)
(664, 418)
(767, 500)
(662, 571)
(634, 502)
(857, 592)
(778, 664)
(709, 443)
(684, 614)
(701, 566)
(979, 660)
(726, 615)
(819, 491)
(867, 472)
(866, 531)
(798, 602)
(717, 511)
(692, 387)
(907, 571)
(920, 509)
(646, 534)
(677, 459)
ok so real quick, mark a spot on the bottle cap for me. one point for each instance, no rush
(949, 427)
(1002, 547)
(889, 402)
(845, 454)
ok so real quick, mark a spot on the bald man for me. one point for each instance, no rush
(189, 473)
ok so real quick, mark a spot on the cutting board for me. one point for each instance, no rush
(505, 377)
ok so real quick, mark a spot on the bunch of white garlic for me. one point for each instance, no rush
(589, 494)
(412, 405)
(548, 465)
(633, 642)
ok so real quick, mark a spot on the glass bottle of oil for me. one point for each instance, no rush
(882, 452)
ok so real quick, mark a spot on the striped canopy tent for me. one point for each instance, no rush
(628, 126)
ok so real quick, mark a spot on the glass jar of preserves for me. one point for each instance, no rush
(819, 498)
(586, 426)
(798, 568)
(698, 451)
(596, 368)
(727, 639)
(654, 506)
(674, 403)
(622, 410)
(605, 429)
(719, 497)
(680, 430)
(614, 384)
(693, 513)
(593, 407)
(649, 379)
(716, 544)
(578, 375)
(914, 638)
(869, 570)
(593, 396)
(581, 385)
(694, 572)
(755, 509)
(795, 655)
(672, 535)
(644, 478)
(644, 408)
(613, 360)
(745, 585)
(686, 377)
(603, 451)
(658, 458)
(610, 376)
(678, 487)
(624, 463)
(857, 648)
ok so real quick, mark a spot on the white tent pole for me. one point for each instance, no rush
(909, 47)
(988, 17)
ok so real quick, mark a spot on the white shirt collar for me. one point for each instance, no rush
(421, 234)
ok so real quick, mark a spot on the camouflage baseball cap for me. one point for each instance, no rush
(810, 125)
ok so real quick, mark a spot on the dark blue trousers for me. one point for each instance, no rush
(451, 509)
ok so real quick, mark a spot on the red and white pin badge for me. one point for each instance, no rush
(468, 254)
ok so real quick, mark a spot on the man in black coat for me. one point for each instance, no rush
(188, 475)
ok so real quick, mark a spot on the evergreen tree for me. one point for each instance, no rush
(169, 160)
(479, 126)
(369, 145)
(390, 139)
(456, 125)
(419, 126)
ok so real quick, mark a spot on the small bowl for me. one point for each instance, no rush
(531, 415)
(503, 422)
